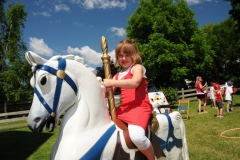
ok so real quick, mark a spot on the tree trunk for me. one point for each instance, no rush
(5, 107)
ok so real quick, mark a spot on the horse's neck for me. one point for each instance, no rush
(83, 116)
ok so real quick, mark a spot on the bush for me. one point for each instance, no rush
(171, 94)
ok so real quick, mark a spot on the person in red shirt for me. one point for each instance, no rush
(135, 108)
(219, 100)
(200, 94)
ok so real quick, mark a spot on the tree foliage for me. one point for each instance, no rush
(226, 44)
(235, 11)
(15, 72)
(171, 45)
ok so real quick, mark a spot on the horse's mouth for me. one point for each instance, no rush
(50, 125)
(48, 122)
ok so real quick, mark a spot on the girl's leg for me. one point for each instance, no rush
(220, 112)
(199, 105)
(149, 153)
(214, 104)
(137, 135)
(228, 106)
(205, 105)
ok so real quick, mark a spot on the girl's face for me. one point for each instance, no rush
(125, 60)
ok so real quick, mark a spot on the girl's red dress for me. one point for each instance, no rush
(218, 95)
(135, 107)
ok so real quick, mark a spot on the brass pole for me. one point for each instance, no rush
(107, 71)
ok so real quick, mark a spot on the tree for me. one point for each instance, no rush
(171, 45)
(226, 44)
(15, 73)
(235, 11)
(208, 31)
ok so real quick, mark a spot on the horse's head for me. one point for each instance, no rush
(55, 88)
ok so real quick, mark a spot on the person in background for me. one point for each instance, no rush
(135, 108)
(219, 100)
(200, 94)
(212, 95)
(228, 96)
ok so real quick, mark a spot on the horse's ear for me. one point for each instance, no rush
(33, 59)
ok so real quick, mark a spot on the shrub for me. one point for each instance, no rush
(171, 94)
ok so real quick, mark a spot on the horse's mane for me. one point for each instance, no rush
(82, 61)
(72, 57)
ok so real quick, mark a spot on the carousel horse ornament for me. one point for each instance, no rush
(65, 85)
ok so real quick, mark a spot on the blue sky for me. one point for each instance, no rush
(60, 27)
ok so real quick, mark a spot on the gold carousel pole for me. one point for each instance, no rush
(107, 71)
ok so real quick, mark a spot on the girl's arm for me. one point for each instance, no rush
(134, 82)
(201, 86)
(108, 88)
(221, 96)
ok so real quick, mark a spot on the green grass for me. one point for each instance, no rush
(204, 133)
(203, 136)
(13, 123)
(20, 143)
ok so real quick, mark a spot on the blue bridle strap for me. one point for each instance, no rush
(41, 99)
(61, 66)
(175, 141)
(62, 76)
(54, 72)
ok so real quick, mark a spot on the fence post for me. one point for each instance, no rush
(183, 93)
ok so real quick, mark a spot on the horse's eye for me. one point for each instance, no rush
(43, 80)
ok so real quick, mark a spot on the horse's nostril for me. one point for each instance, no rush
(37, 120)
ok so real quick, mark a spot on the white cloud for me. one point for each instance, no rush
(61, 7)
(120, 32)
(45, 14)
(104, 4)
(77, 24)
(91, 57)
(38, 46)
(193, 2)
(38, 2)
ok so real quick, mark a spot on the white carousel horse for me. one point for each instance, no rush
(64, 84)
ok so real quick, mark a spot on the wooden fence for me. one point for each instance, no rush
(19, 115)
(183, 94)
(191, 93)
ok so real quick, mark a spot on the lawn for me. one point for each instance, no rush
(204, 133)
(203, 136)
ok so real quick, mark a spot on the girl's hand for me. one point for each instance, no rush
(107, 83)
(108, 89)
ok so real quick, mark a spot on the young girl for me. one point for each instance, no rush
(219, 100)
(135, 108)
(200, 94)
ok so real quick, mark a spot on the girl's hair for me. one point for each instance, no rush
(128, 47)
(197, 79)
